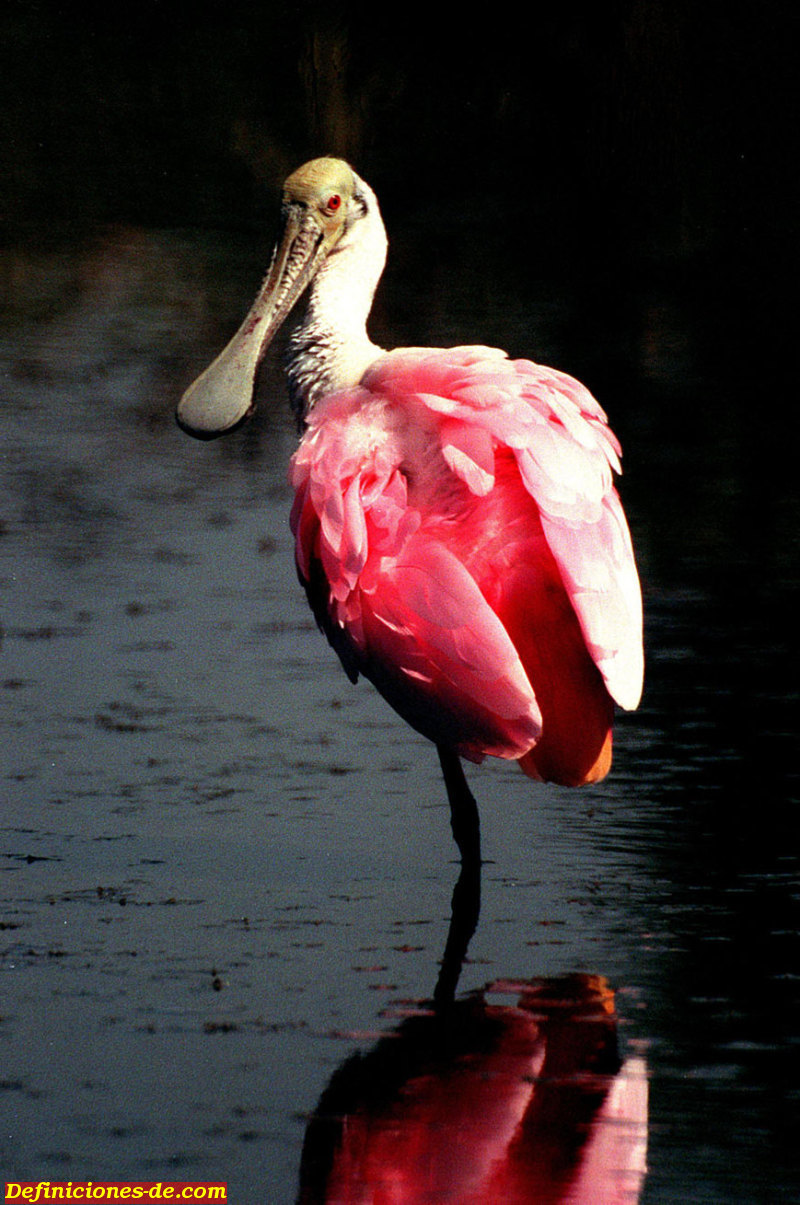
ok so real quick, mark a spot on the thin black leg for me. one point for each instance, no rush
(464, 819)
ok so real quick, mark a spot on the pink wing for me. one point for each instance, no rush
(566, 455)
(396, 479)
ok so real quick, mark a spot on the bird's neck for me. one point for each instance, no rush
(330, 349)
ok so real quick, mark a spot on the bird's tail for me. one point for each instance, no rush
(544, 765)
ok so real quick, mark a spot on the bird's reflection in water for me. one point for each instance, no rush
(513, 1094)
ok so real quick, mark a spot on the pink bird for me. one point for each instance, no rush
(457, 528)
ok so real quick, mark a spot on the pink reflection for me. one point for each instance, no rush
(487, 1103)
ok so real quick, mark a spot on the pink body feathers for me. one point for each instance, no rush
(463, 547)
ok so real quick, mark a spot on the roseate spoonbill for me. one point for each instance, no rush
(457, 529)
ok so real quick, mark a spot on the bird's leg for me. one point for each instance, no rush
(464, 819)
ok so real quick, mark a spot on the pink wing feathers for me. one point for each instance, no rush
(442, 494)
(566, 454)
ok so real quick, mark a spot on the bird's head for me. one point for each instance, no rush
(322, 202)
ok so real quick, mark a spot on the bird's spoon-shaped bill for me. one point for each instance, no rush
(222, 396)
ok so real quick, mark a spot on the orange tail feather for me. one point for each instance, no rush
(542, 767)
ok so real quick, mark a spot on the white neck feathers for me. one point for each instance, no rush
(331, 349)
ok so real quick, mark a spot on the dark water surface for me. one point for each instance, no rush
(225, 869)
(225, 872)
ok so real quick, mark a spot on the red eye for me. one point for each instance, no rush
(333, 203)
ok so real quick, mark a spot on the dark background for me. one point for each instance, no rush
(608, 187)
(642, 128)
